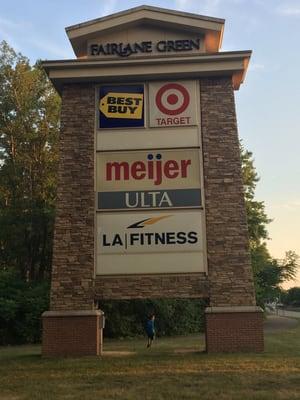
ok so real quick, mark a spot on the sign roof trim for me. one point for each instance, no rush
(144, 8)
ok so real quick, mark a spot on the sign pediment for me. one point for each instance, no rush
(146, 31)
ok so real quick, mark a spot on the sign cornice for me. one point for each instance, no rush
(228, 63)
(228, 55)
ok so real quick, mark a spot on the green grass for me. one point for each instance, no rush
(175, 369)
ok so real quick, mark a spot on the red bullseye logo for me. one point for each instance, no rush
(172, 99)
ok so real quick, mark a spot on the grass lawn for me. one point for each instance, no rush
(175, 368)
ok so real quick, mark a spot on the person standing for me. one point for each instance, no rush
(150, 330)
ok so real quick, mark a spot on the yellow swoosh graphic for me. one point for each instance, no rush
(153, 220)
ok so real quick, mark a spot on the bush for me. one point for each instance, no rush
(173, 316)
(21, 306)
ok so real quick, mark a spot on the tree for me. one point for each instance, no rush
(29, 126)
(269, 273)
(291, 297)
(256, 215)
(21, 306)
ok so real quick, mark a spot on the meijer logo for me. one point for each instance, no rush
(154, 168)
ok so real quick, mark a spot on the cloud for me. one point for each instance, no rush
(289, 11)
(290, 205)
(256, 67)
(13, 32)
(109, 7)
(48, 46)
(181, 3)
(206, 7)
(9, 24)
(10, 30)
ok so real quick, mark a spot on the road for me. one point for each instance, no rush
(278, 323)
(286, 313)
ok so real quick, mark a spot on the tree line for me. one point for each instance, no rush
(29, 134)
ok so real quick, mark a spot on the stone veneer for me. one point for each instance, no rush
(73, 258)
(229, 268)
(152, 286)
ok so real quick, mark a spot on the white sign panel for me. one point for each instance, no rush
(153, 242)
(173, 104)
(149, 233)
(148, 179)
(148, 170)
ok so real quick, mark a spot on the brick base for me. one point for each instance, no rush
(72, 333)
(234, 329)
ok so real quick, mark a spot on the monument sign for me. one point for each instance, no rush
(150, 197)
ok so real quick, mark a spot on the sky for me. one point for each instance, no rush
(268, 103)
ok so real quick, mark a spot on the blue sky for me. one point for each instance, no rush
(268, 103)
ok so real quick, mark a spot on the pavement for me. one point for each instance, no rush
(277, 323)
(288, 313)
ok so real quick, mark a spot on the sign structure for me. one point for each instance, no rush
(141, 159)
(150, 242)
(121, 106)
(173, 103)
(153, 179)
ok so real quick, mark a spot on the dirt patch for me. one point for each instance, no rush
(187, 351)
(118, 353)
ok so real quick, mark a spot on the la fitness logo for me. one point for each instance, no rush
(139, 235)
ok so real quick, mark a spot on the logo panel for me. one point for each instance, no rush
(172, 104)
(154, 179)
(125, 233)
(121, 106)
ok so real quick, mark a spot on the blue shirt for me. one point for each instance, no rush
(150, 327)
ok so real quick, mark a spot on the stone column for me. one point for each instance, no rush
(233, 322)
(72, 320)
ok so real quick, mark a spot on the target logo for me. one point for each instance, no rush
(172, 99)
(172, 103)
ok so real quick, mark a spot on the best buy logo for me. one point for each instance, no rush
(122, 105)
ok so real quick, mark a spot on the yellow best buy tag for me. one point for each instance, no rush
(122, 105)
